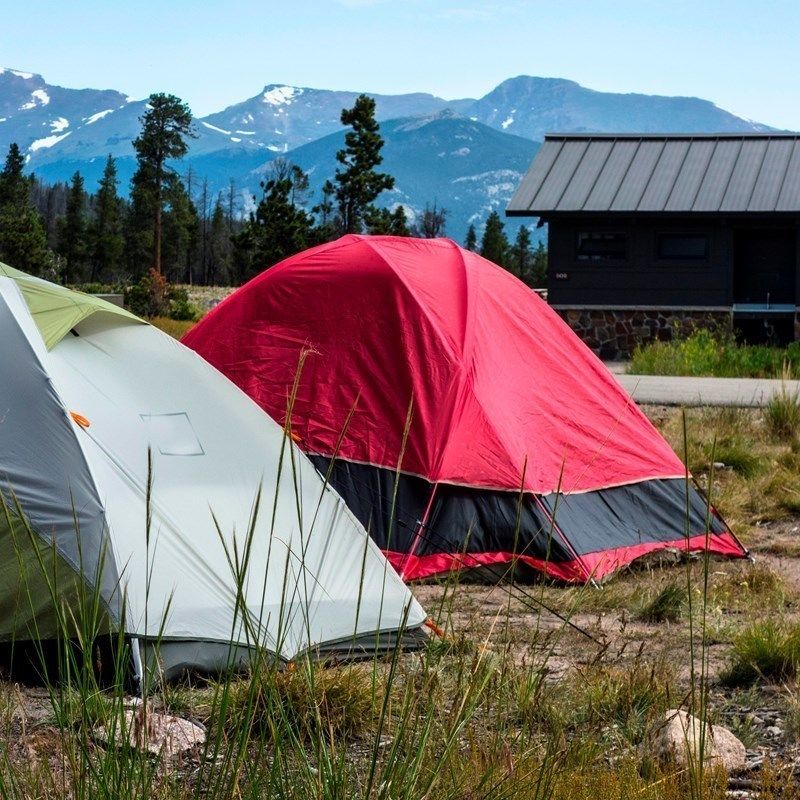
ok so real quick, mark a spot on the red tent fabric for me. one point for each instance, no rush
(443, 370)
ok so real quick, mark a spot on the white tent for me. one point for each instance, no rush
(86, 391)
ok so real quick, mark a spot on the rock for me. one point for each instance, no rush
(159, 734)
(678, 736)
(774, 731)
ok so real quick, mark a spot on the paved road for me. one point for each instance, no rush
(662, 390)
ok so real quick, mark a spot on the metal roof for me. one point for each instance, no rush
(673, 173)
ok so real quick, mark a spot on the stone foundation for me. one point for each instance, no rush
(614, 333)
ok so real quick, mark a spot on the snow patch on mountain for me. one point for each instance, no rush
(508, 174)
(509, 120)
(38, 97)
(47, 141)
(99, 115)
(58, 125)
(281, 95)
(215, 128)
(26, 76)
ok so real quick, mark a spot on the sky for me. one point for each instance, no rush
(744, 56)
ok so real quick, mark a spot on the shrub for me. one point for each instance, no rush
(666, 606)
(716, 353)
(154, 296)
(782, 414)
(150, 297)
(766, 650)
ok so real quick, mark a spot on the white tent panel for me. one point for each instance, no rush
(313, 574)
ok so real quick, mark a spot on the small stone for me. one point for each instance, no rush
(159, 734)
(679, 736)
(774, 731)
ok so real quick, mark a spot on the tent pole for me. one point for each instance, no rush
(421, 523)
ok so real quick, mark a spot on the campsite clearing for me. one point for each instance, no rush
(513, 695)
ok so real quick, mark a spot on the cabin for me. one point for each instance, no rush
(650, 236)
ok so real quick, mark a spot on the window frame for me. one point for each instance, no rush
(585, 260)
(659, 236)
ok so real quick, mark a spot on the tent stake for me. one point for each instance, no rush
(137, 666)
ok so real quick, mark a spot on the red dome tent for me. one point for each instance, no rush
(520, 442)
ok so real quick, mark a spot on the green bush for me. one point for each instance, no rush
(782, 414)
(715, 353)
(766, 650)
(155, 296)
(666, 606)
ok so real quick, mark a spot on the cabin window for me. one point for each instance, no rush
(172, 434)
(602, 246)
(682, 246)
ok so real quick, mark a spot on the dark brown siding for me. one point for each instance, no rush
(642, 279)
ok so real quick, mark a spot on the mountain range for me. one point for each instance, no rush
(467, 155)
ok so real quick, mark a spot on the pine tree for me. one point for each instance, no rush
(73, 229)
(166, 126)
(23, 243)
(382, 222)
(494, 244)
(181, 226)
(139, 224)
(105, 232)
(357, 183)
(219, 246)
(278, 228)
(538, 273)
(325, 230)
(14, 186)
(471, 242)
(520, 256)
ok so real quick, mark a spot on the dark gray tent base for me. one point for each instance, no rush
(552, 529)
(171, 660)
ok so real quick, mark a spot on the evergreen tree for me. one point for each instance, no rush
(181, 226)
(14, 186)
(219, 246)
(105, 232)
(520, 256)
(325, 230)
(357, 183)
(278, 228)
(139, 224)
(471, 242)
(382, 222)
(166, 126)
(538, 272)
(494, 244)
(73, 230)
(23, 243)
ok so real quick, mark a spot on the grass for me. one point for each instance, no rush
(175, 328)
(667, 606)
(768, 651)
(714, 353)
(782, 415)
(759, 480)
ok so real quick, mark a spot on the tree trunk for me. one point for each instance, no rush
(157, 229)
